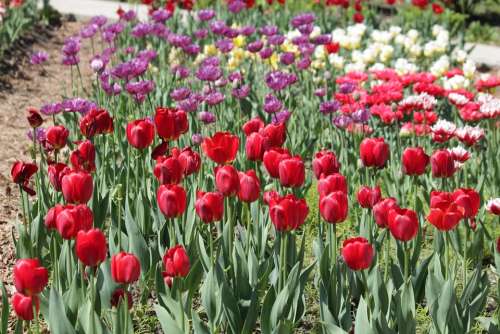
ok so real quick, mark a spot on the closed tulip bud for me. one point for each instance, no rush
(332, 183)
(50, 218)
(275, 134)
(381, 211)
(57, 136)
(96, 122)
(288, 212)
(72, 219)
(325, 163)
(168, 170)
(140, 133)
(255, 146)
(125, 268)
(23, 306)
(34, 118)
(414, 161)
(171, 200)
(77, 187)
(117, 297)
(209, 206)
(292, 172)
(227, 180)
(56, 172)
(176, 262)
(249, 189)
(272, 159)
(253, 125)
(442, 164)
(368, 197)
(403, 224)
(190, 161)
(374, 152)
(91, 248)
(83, 157)
(30, 278)
(469, 200)
(357, 253)
(334, 207)
(170, 123)
(221, 148)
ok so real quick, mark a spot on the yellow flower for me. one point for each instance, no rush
(210, 50)
(239, 41)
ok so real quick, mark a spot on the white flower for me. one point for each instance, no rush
(469, 68)
(459, 55)
(444, 126)
(458, 99)
(493, 206)
(336, 60)
(459, 154)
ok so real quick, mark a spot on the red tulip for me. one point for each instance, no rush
(190, 161)
(91, 248)
(209, 206)
(272, 159)
(140, 133)
(255, 146)
(96, 122)
(176, 262)
(159, 150)
(437, 8)
(334, 207)
(498, 245)
(414, 161)
(34, 118)
(221, 147)
(30, 278)
(125, 268)
(493, 206)
(227, 180)
(270, 196)
(357, 253)
(50, 218)
(381, 211)
(374, 152)
(292, 172)
(332, 183)
(83, 157)
(469, 200)
(57, 136)
(325, 163)
(117, 298)
(440, 199)
(171, 200)
(288, 212)
(23, 306)
(249, 186)
(253, 125)
(77, 187)
(442, 164)
(170, 123)
(72, 219)
(444, 213)
(56, 172)
(403, 223)
(21, 173)
(275, 134)
(368, 197)
(358, 17)
(168, 170)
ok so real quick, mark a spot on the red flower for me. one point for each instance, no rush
(30, 278)
(332, 47)
(292, 172)
(270, 196)
(34, 118)
(77, 187)
(125, 268)
(332, 183)
(334, 207)
(444, 213)
(374, 152)
(140, 133)
(159, 150)
(249, 186)
(91, 248)
(176, 262)
(171, 200)
(96, 122)
(403, 223)
(414, 161)
(420, 3)
(272, 159)
(168, 170)
(493, 206)
(357, 253)
(117, 297)
(381, 211)
(437, 8)
(221, 147)
(255, 146)
(498, 245)
(358, 17)
(442, 163)
(275, 134)
(324, 164)
(56, 173)
(368, 197)
(21, 173)
(23, 306)
(189, 160)
(253, 125)
(57, 136)
(50, 218)
(72, 219)
(83, 157)
(170, 123)
(468, 199)
(288, 212)
(227, 180)
(209, 206)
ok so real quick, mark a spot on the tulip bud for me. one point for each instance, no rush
(249, 186)
(34, 118)
(77, 187)
(334, 207)
(381, 211)
(83, 157)
(125, 268)
(168, 170)
(209, 206)
(57, 136)
(292, 172)
(227, 180)
(324, 164)
(221, 148)
(374, 152)
(91, 248)
(368, 197)
(357, 253)
(30, 278)
(414, 161)
(403, 223)
(171, 200)
(140, 133)
(288, 213)
(23, 306)
(170, 123)
(272, 159)
(72, 219)
(117, 297)
(176, 262)
(332, 183)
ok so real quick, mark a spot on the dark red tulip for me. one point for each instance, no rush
(171, 200)
(414, 161)
(117, 297)
(374, 152)
(72, 219)
(221, 148)
(498, 245)
(403, 223)
(272, 159)
(275, 134)
(140, 133)
(21, 174)
(325, 163)
(368, 197)
(23, 306)
(170, 123)
(30, 278)
(255, 146)
(34, 118)
(176, 262)
(91, 248)
(493, 206)
(249, 189)
(169, 280)
(56, 172)
(288, 212)
(125, 268)
(77, 187)
(357, 253)
(381, 211)
(168, 170)
(468, 199)
(96, 122)
(332, 183)
(253, 125)
(159, 150)
(190, 161)
(442, 164)
(57, 136)
(292, 172)
(83, 157)
(334, 207)
(50, 218)
(209, 206)
(227, 180)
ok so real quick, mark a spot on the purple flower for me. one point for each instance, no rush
(302, 39)
(78, 105)
(70, 60)
(287, 58)
(234, 76)
(206, 117)
(147, 55)
(277, 80)
(255, 46)
(180, 93)
(236, 6)
(130, 69)
(210, 61)
(272, 104)
(161, 15)
(218, 27)
(188, 105)
(320, 92)
(214, 97)
(39, 57)
(224, 45)
(307, 49)
(180, 72)
(192, 49)
(269, 30)
(322, 39)
(231, 33)
(89, 30)
(306, 29)
(39, 134)
(241, 92)
(179, 41)
(141, 30)
(276, 40)
(110, 88)
(246, 30)
(206, 14)
(129, 15)
(347, 87)
(302, 18)
(99, 20)
(201, 33)
(97, 65)
(266, 53)
(159, 30)
(361, 116)
(71, 46)
(342, 121)
(51, 108)
(304, 63)
(329, 107)
(196, 138)
(209, 73)
(281, 116)
(140, 89)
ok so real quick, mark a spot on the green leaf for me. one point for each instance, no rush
(362, 324)
(168, 324)
(231, 309)
(137, 244)
(58, 322)
(4, 318)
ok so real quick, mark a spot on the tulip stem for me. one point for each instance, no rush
(35, 316)
(406, 250)
(179, 296)
(387, 254)
(92, 301)
(282, 260)
(249, 226)
(210, 243)
(465, 251)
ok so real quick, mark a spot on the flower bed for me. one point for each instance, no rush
(15, 18)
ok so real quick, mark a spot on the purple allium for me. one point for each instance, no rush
(39, 57)
(246, 30)
(329, 107)
(241, 92)
(361, 115)
(39, 134)
(206, 14)
(206, 117)
(302, 18)
(161, 15)
(276, 40)
(342, 121)
(320, 92)
(269, 30)
(180, 93)
(201, 33)
(141, 30)
(272, 104)
(347, 88)
(266, 53)
(281, 116)
(304, 63)
(255, 46)
(236, 6)
(287, 58)
(209, 73)
(196, 138)
(214, 98)
(218, 27)
(99, 20)
(89, 30)
(51, 109)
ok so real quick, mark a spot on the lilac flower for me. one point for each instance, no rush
(206, 117)
(218, 27)
(236, 6)
(276, 40)
(141, 30)
(99, 20)
(266, 53)
(287, 58)
(342, 121)
(347, 87)
(269, 30)
(89, 30)
(361, 116)
(39, 134)
(201, 33)
(161, 15)
(272, 104)
(281, 116)
(209, 73)
(214, 98)
(304, 63)
(329, 107)
(255, 46)
(196, 138)
(302, 18)
(180, 93)
(224, 45)
(39, 57)
(241, 92)
(206, 14)
(51, 108)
